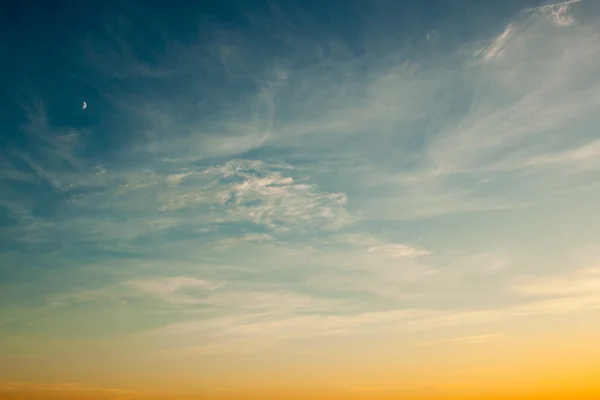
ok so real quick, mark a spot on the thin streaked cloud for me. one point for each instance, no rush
(240, 188)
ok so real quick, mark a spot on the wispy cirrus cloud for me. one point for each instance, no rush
(577, 283)
(509, 101)
(171, 288)
(398, 250)
(257, 332)
(251, 191)
(557, 12)
(496, 49)
(477, 339)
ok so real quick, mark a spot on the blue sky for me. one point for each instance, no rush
(250, 174)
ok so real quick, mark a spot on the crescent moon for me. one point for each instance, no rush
(84, 105)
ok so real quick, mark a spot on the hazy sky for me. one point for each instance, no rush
(299, 199)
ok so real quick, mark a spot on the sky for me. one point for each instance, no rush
(300, 199)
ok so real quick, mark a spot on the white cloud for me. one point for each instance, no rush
(375, 245)
(256, 328)
(559, 305)
(186, 200)
(177, 178)
(356, 128)
(178, 290)
(398, 250)
(168, 286)
(573, 160)
(477, 339)
(578, 283)
(365, 141)
(565, 293)
(558, 12)
(257, 237)
(496, 49)
(279, 202)
(258, 332)
(294, 326)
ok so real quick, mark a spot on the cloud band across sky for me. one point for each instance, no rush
(270, 181)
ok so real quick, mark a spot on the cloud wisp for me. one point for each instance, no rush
(295, 185)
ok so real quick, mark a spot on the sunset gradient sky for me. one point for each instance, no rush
(312, 199)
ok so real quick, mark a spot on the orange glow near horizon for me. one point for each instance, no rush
(549, 367)
(300, 200)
